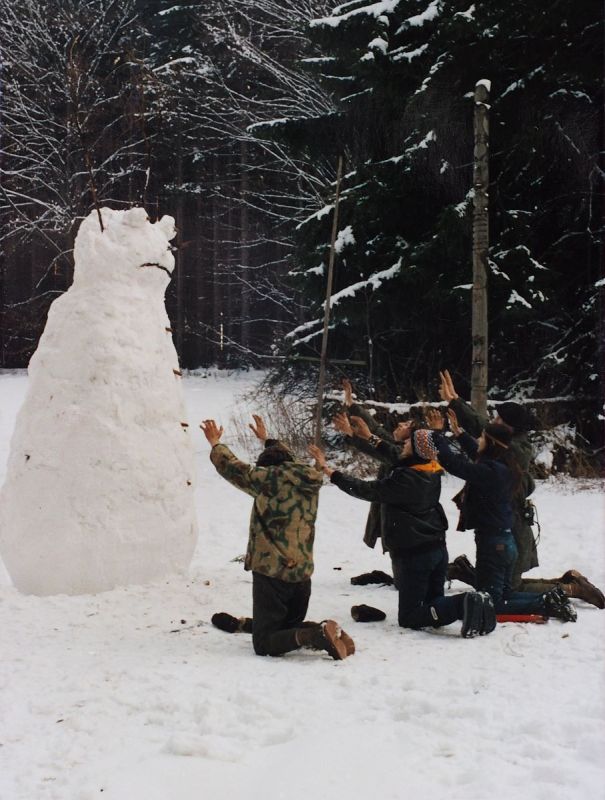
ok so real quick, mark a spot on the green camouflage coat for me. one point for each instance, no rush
(282, 522)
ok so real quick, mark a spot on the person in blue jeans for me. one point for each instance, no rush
(492, 477)
(413, 527)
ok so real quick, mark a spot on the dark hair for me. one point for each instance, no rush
(497, 441)
(516, 416)
(274, 456)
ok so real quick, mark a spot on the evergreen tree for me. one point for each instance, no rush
(404, 74)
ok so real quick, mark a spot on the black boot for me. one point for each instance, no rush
(230, 624)
(365, 613)
(489, 614)
(325, 636)
(472, 619)
(557, 605)
(462, 570)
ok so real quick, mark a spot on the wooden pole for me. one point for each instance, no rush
(480, 248)
(324, 338)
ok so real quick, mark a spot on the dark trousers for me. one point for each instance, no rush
(278, 609)
(421, 600)
(497, 555)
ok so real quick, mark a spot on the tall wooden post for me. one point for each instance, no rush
(324, 340)
(480, 248)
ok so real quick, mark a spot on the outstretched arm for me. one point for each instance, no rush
(243, 476)
(473, 422)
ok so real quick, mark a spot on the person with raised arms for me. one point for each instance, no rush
(280, 547)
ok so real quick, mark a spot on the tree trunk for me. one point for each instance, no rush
(480, 248)
(324, 338)
(246, 333)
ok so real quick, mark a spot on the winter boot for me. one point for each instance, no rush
(365, 613)
(462, 570)
(324, 636)
(376, 576)
(577, 585)
(472, 620)
(556, 604)
(489, 614)
(348, 642)
(229, 624)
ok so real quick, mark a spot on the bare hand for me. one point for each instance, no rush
(348, 391)
(360, 428)
(320, 459)
(453, 421)
(318, 454)
(434, 419)
(447, 391)
(342, 424)
(258, 428)
(211, 431)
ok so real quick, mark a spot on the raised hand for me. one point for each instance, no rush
(318, 454)
(447, 391)
(320, 459)
(258, 428)
(348, 392)
(212, 432)
(453, 421)
(434, 419)
(342, 424)
(360, 428)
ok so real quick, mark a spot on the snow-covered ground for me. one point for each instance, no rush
(133, 695)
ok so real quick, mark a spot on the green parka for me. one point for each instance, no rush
(282, 522)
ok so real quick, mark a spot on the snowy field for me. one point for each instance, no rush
(133, 695)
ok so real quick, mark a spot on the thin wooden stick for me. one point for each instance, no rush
(324, 338)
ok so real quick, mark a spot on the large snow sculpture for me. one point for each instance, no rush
(99, 486)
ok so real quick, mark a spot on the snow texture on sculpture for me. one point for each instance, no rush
(99, 486)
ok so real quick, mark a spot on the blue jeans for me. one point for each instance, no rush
(421, 600)
(496, 557)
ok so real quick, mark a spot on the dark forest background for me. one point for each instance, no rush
(230, 115)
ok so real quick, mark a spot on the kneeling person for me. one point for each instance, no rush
(413, 531)
(280, 544)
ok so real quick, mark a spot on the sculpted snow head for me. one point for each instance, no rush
(130, 250)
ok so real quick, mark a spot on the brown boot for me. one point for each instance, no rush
(577, 585)
(348, 642)
(325, 636)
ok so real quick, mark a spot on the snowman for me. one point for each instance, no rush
(99, 486)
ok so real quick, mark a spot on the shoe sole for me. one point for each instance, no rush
(348, 643)
(489, 614)
(590, 593)
(334, 644)
(473, 615)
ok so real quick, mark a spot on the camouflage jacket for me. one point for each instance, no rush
(282, 522)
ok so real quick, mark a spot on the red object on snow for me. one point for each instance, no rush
(537, 618)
